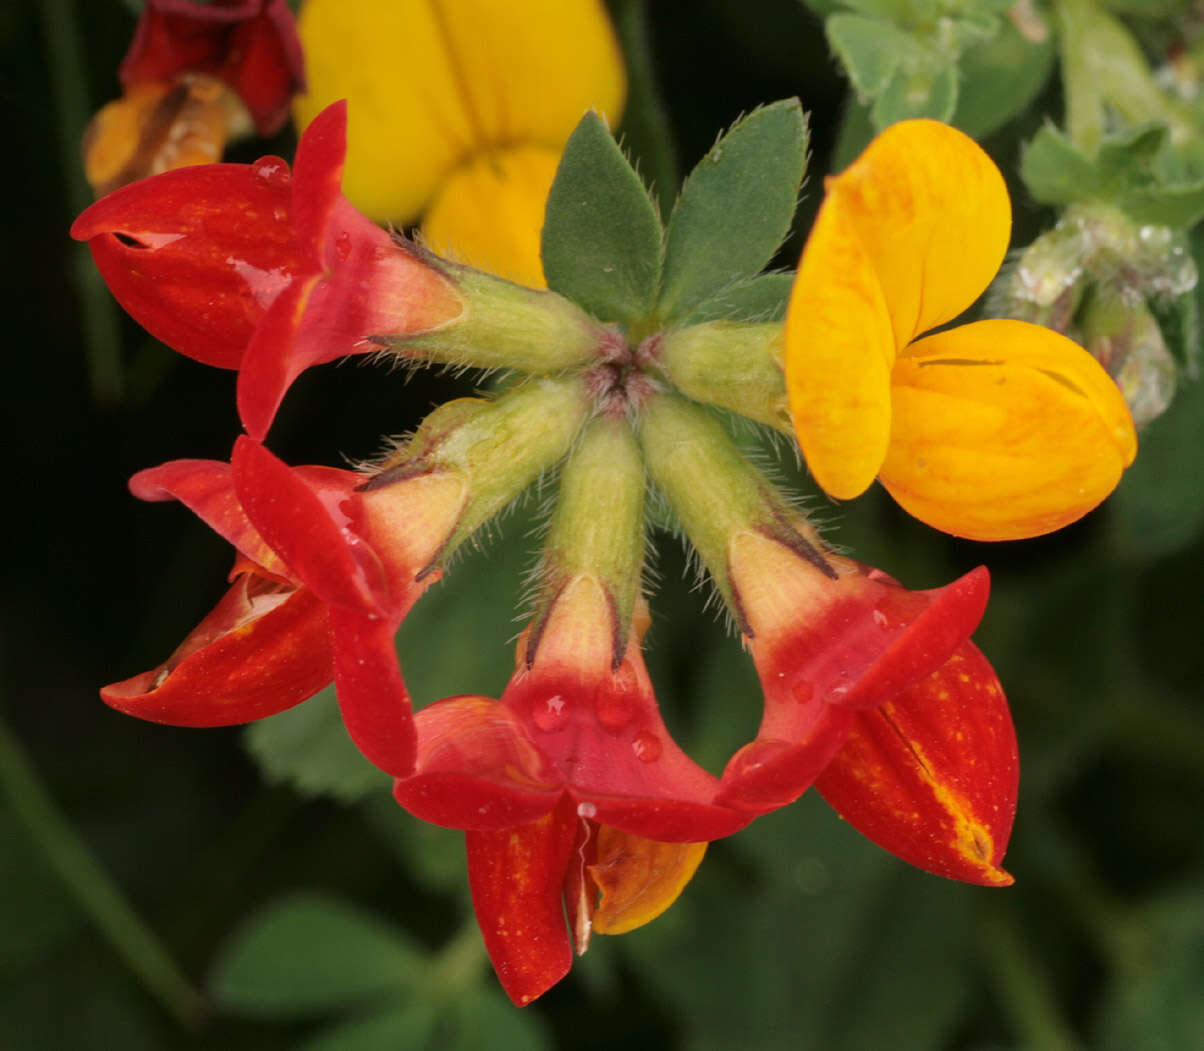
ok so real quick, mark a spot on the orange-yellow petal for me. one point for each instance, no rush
(431, 82)
(489, 212)
(932, 213)
(1003, 430)
(639, 878)
(838, 352)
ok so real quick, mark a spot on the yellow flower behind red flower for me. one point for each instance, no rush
(459, 111)
(993, 430)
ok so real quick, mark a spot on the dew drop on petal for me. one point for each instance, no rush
(615, 710)
(550, 714)
(271, 170)
(342, 245)
(802, 691)
(647, 746)
(586, 810)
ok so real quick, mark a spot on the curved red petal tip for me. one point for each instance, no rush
(932, 776)
(261, 650)
(517, 879)
(951, 615)
(311, 534)
(197, 255)
(477, 768)
(318, 176)
(270, 363)
(372, 696)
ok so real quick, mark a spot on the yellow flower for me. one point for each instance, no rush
(459, 110)
(994, 430)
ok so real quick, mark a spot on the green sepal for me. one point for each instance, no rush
(597, 529)
(601, 242)
(734, 366)
(735, 208)
(505, 326)
(498, 446)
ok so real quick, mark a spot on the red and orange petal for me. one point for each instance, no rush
(252, 45)
(261, 650)
(825, 648)
(1004, 430)
(517, 877)
(638, 878)
(932, 774)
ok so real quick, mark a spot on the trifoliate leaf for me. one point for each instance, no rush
(869, 49)
(761, 298)
(1055, 170)
(308, 748)
(924, 92)
(601, 244)
(735, 208)
(309, 954)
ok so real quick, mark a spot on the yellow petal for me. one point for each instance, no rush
(639, 878)
(1003, 430)
(932, 212)
(430, 82)
(838, 352)
(489, 212)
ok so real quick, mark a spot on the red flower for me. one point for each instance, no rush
(326, 574)
(875, 694)
(248, 267)
(251, 45)
(575, 742)
(195, 76)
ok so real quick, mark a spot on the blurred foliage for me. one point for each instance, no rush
(327, 919)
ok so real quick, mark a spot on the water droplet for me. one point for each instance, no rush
(551, 713)
(615, 710)
(647, 746)
(888, 619)
(587, 810)
(880, 618)
(273, 171)
(342, 245)
(803, 691)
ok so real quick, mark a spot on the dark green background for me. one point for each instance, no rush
(795, 934)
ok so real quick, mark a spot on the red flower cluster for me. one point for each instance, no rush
(871, 691)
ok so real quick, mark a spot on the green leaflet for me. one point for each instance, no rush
(307, 954)
(601, 244)
(735, 209)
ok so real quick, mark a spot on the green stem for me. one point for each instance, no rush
(64, 58)
(92, 888)
(1022, 987)
(646, 127)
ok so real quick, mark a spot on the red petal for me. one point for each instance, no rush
(318, 176)
(309, 528)
(517, 876)
(239, 664)
(197, 255)
(477, 768)
(932, 775)
(206, 488)
(372, 696)
(251, 44)
(270, 364)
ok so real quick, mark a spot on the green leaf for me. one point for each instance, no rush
(1159, 507)
(1055, 170)
(1179, 206)
(761, 298)
(869, 49)
(999, 78)
(406, 1028)
(601, 243)
(308, 748)
(309, 954)
(735, 208)
(909, 94)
